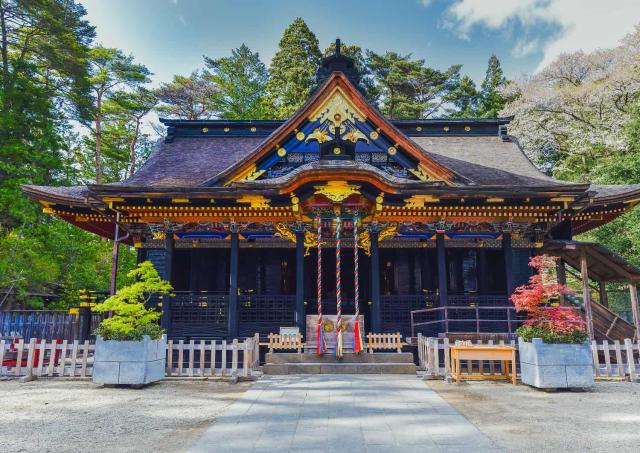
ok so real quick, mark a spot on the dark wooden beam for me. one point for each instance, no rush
(586, 294)
(165, 320)
(299, 314)
(508, 263)
(376, 314)
(232, 315)
(635, 309)
(441, 253)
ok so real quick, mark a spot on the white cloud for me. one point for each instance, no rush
(425, 3)
(525, 47)
(583, 24)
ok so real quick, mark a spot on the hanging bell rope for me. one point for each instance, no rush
(338, 293)
(321, 346)
(357, 336)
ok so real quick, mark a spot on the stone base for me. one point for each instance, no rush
(307, 363)
(129, 362)
(555, 365)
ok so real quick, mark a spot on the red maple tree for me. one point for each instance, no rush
(536, 297)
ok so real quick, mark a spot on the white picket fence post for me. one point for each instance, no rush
(610, 360)
(206, 358)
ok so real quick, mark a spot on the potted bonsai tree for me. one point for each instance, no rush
(554, 352)
(130, 345)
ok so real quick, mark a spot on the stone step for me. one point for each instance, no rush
(348, 358)
(339, 368)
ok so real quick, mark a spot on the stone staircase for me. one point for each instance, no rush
(279, 363)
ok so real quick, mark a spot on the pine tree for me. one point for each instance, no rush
(111, 69)
(408, 88)
(464, 98)
(491, 101)
(293, 69)
(188, 97)
(242, 80)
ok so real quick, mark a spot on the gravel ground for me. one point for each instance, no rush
(74, 416)
(522, 419)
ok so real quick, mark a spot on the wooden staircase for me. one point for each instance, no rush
(609, 326)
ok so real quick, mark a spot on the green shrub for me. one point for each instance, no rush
(131, 318)
(528, 333)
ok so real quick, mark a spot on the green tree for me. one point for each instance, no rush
(241, 80)
(190, 98)
(131, 318)
(464, 98)
(491, 100)
(111, 70)
(293, 69)
(131, 107)
(43, 50)
(408, 88)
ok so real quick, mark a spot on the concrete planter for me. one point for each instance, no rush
(555, 365)
(129, 362)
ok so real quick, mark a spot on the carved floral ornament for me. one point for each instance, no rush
(337, 191)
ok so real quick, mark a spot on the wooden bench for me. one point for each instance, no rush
(384, 341)
(468, 352)
(279, 342)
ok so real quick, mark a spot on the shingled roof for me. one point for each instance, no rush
(190, 161)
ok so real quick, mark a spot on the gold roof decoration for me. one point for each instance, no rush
(256, 201)
(353, 135)
(418, 201)
(337, 191)
(337, 109)
(320, 135)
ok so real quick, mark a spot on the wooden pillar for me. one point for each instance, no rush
(508, 263)
(376, 314)
(635, 309)
(561, 273)
(299, 314)
(586, 294)
(602, 288)
(441, 253)
(115, 254)
(232, 314)
(165, 320)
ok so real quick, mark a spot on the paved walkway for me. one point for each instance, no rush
(350, 413)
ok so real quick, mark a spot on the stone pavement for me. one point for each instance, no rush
(350, 413)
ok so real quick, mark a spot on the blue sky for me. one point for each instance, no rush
(170, 36)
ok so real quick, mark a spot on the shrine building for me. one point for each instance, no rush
(427, 225)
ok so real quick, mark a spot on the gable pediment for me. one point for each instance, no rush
(338, 124)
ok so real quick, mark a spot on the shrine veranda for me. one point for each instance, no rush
(247, 219)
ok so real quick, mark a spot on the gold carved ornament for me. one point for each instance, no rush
(388, 231)
(364, 242)
(310, 239)
(283, 231)
(337, 109)
(337, 191)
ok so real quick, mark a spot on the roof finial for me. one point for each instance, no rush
(337, 47)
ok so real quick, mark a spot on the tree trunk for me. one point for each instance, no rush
(132, 147)
(98, 122)
(5, 54)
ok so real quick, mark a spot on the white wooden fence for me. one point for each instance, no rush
(75, 360)
(610, 360)
(211, 358)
